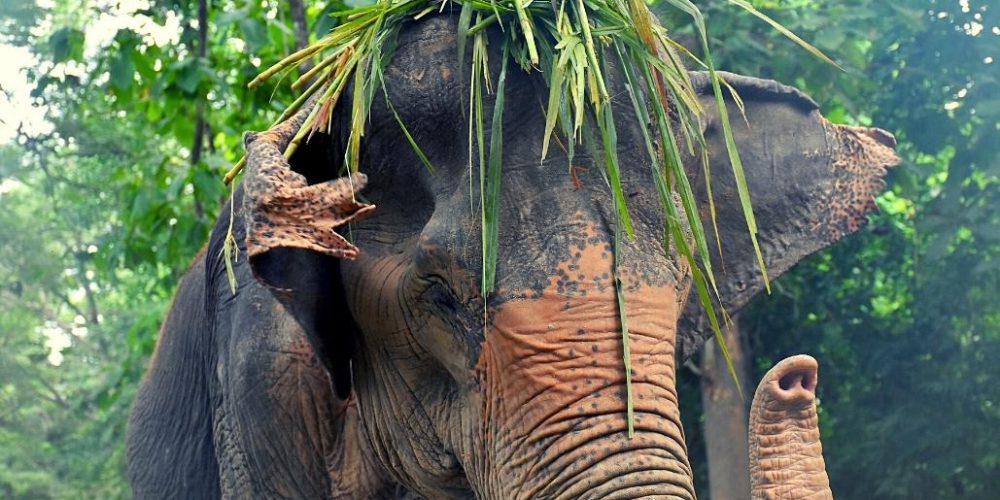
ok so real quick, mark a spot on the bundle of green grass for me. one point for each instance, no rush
(569, 42)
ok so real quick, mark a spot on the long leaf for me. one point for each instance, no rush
(623, 319)
(785, 31)
(491, 185)
(609, 138)
(727, 130)
(552, 110)
(409, 138)
(464, 20)
(529, 32)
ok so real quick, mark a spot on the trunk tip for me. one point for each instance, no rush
(794, 379)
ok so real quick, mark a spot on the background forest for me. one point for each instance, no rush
(119, 117)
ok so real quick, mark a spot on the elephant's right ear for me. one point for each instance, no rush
(292, 212)
(811, 183)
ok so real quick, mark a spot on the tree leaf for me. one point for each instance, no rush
(189, 76)
(67, 44)
(122, 71)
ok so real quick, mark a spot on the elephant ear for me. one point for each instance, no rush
(282, 210)
(811, 183)
(292, 211)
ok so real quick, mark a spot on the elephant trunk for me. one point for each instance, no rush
(786, 457)
(555, 399)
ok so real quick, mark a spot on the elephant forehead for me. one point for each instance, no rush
(574, 256)
(422, 79)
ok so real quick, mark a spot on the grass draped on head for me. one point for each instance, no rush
(571, 43)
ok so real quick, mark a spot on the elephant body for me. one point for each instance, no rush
(386, 373)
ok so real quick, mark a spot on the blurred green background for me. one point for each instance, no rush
(118, 118)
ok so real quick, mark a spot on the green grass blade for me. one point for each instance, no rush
(609, 139)
(727, 129)
(358, 116)
(285, 63)
(701, 286)
(601, 96)
(464, 20)
(556, 88)
(674, 169)
(409, 138)
(479, 77)
(741, 182)
(483, 24)
(623, 318)
(492, 183)
(474, 102)
(707, 174)
(641, 111)
(528, 31)
(785, 31)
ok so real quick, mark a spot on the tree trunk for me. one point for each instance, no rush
(301, 29)
(200, 124)
(726, 417)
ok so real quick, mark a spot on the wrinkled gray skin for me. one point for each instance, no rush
(425, 400)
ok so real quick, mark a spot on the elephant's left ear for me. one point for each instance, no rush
(281, 210)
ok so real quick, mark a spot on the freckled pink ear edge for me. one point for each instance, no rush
(861, 155)
(282, 211)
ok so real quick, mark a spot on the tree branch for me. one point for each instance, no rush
(93, 315)
(56, 397)
(68, 302)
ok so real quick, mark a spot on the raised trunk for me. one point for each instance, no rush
(786, 458)
(725, 413)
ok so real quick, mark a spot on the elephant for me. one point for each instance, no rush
(786, 457)
(372, 366)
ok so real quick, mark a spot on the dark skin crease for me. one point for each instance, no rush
(404, 386)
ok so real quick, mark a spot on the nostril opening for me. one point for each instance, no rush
(789, 381)
(809, 382)
(796, 380)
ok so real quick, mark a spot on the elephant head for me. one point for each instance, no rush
(784, 430)
(522, 393)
